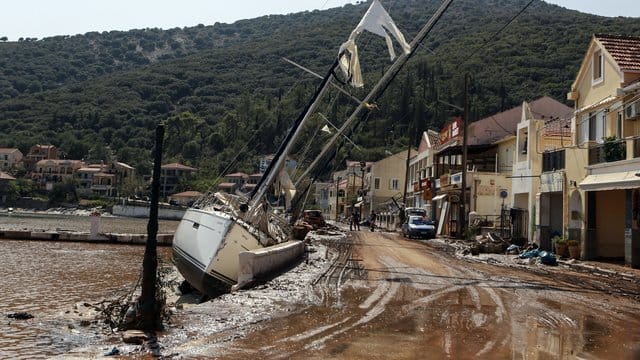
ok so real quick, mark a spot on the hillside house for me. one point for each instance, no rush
(38, 153)
(48, 172)
(10, 158)
(171, 175)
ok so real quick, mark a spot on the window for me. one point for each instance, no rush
(553, 160)
(592, 127)
(601, 122)
(376, 183)
(394, 184)
(583, 129)
(598, 67)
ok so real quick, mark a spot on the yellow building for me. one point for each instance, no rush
(387, 188)
(606, 93)
(51, 171)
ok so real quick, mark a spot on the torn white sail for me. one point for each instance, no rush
(377, 21)
(286, 186)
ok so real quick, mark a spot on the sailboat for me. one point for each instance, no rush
(214, 232)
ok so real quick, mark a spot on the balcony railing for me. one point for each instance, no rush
(553, 160)
(609, 151)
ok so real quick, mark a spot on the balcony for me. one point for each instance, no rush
(553, 160)
(611, 150)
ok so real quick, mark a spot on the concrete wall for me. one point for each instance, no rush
(143, 212)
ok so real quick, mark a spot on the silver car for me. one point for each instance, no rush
(417, 226)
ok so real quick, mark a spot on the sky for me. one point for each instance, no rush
(44, 18)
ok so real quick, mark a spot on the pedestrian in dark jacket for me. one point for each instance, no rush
(373, 221)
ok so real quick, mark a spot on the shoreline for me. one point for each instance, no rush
(80, 226)
(74, 236)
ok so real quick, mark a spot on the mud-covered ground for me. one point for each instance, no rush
(379, 296)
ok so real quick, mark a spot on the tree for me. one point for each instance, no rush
(63, 192)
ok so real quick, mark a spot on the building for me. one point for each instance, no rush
(103, 179)
(84, 176)
(38, 153)
(10, 158)
(265, 161)
(171, 176)
(234, 182)
(323, 195)
(337, 195)
(606, 96)
(252, 181)
(386, 182)
(538, 175)
(48, 172)
(421, 187)
(492, 150)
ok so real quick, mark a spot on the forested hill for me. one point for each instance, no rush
(222, 87)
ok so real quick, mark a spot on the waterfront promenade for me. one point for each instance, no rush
(51, 226)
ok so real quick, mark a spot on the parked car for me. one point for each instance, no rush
(314, 218)
(417, 226)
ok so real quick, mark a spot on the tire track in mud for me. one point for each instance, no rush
(465, 277)
(464, 308)
(386, 290)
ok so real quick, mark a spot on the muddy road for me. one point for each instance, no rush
(389, 298)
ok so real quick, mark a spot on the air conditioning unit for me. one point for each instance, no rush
(632, 110)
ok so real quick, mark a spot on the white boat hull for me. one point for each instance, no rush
(206, 246)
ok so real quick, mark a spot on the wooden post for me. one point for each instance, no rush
(149, 308)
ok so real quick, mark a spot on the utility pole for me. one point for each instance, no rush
(462, 218)
(149, 307)
(406, 175)
(337, 198)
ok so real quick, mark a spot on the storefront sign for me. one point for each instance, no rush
(456, 178)
(451, 131)
(444, 180)
(425, 184)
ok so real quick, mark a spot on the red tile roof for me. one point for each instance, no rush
(177, 166)
(625, 50)
(7, 150)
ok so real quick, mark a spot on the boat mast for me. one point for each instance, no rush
(380, 86)
(281, 155)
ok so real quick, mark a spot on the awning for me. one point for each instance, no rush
(611, 181)
(358, 204)
(439, 197)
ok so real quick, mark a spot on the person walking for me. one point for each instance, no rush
(351, 222)
(354, 223)
(373, 221)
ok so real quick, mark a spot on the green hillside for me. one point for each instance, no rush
(226, 94)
